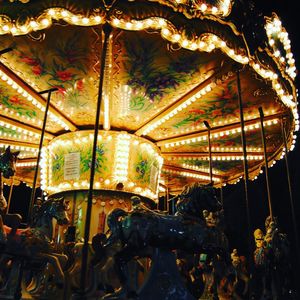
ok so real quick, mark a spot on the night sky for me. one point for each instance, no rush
(234, 202)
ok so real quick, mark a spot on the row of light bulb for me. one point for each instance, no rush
(191, 175)
(203, 136)
(45, 19)
(215, 157)
(43, 166)
(106, 184)
(274, 28)
(167, 30)
(218, 123)
(19, 147)
(197, 168)
(174, 111)
(234, 181)
(25, 164)
(41, 106)
(207, 42)
(25, 118)
(223, 9)
(122, 157)
(20, 133)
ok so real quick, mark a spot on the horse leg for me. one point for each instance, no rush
(121, 259)
(18, 291)
(4, 260)
(54, 261)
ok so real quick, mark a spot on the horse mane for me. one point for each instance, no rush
(2, 156)
(43, 207)
(195, 198)
(196, 189)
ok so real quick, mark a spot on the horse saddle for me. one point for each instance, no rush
(12, 223)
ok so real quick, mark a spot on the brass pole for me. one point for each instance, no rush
(294, 219)
(10, 193)
(32, 200)
(209, 151)
(244, 146)
(263, 138)
(246, 172)
(221, 196)
(167, 200)
(106, 30)
(3, 51)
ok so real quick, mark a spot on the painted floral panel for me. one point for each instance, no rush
(102, 166)
(143, 168)
(220, 106)
(65, 59)
(150, 75)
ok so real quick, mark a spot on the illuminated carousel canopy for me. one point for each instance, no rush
(170, 66)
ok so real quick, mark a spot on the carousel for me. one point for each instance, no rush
(116, 109)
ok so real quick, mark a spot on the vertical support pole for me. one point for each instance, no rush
(83, 275)
(18, 290)
(173, 207)
(245, 163)
(263, 137)
(294, 219)
(209, 151)
(1, 184)
(32, 197)
(167, 200)
(221, 196)
(10, 194)
(74, 208)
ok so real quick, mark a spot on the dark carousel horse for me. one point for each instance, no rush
(33, 245)
(142, 229)
(272, 261)
(7, 169)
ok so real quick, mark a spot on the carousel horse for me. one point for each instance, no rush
(214, 272)
(101, 276)
(272, 262)
(142, 229)
(7, 169)
(33, 245)
(241, 276)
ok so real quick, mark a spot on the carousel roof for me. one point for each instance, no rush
(170, 66)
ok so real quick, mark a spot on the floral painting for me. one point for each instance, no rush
(151, 75)
(15, 103)
(225, 102)
(101, 164)
(66, 64)
(143, 168)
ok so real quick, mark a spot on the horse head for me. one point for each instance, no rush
(58, 210)
(8, 162)
(197, 197)
(114, 222)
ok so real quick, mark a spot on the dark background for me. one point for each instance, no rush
(234, 201)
